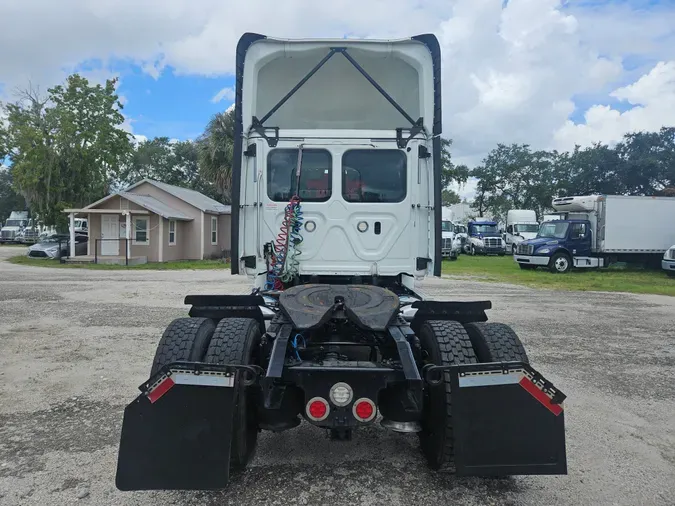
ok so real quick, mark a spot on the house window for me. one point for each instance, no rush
(141, 231)
(172, 232)
(214, 230)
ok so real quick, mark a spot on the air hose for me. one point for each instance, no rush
(285, 265)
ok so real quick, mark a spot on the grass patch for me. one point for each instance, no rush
(153, 266)
(614, 279)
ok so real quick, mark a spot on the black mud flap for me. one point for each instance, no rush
(508, 420)
(177, 434)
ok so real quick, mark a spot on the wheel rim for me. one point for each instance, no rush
(561, 264)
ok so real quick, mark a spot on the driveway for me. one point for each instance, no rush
(75, 344)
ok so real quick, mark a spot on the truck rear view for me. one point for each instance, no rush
(336, 215)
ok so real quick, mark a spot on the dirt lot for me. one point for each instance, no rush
(75, 344)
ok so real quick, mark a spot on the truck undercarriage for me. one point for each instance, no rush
(339, 357)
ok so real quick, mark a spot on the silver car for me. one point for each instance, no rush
(57, 246)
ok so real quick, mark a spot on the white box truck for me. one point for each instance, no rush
(521, 224)
(599, 230)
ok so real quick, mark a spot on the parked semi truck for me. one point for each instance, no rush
(521, 224)
(451, 243)
(13, 229)
(599, 230)
(485, 238)
(335, 219)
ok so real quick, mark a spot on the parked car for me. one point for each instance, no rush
(668, 262)
(57, 246)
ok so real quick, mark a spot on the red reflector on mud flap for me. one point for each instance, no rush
(538, 394)
(160, 389)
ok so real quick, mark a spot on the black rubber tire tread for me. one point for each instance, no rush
(447, 343)
(236, 341)
(496, 342)
(185, 339)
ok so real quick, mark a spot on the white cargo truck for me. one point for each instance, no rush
(599, 230)
(521, 224)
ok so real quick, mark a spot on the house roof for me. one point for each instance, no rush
(155, 206)
(192, 197)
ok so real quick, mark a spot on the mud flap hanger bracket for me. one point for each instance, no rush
(258, 125)
(248, 374)
(433, 376)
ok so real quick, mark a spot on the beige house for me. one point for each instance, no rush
(157, 222)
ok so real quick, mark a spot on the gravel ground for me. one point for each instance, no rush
(75, 344)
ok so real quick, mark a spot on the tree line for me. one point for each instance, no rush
(68, 148)
(518, 177)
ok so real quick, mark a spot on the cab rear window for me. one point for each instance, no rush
(315, 175)
(374, 175)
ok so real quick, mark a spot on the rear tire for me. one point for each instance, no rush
(236, 341)
(185, 339)
(496, 342)
(444, 343)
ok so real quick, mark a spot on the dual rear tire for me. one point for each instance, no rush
(446, 342)
(231, 341)
(237, 341)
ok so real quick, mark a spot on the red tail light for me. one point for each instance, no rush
(317, 409)
(364, 410)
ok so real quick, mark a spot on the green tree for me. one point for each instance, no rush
(10, 200)
(648, 161)
(66, 148)
(172, 162)
(451, 173)
(215, 150)
(450, 197)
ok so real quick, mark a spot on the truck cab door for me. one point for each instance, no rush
(579, 239)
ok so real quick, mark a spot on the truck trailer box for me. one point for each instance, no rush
(625, 224)
(640, 224)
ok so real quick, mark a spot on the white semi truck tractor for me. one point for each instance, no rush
(336, 218)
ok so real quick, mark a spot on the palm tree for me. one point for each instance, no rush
(215, 148)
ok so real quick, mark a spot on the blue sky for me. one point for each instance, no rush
(171, 106)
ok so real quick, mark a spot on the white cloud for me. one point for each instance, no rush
(653, 101)
(511, 73)
(226, 94)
